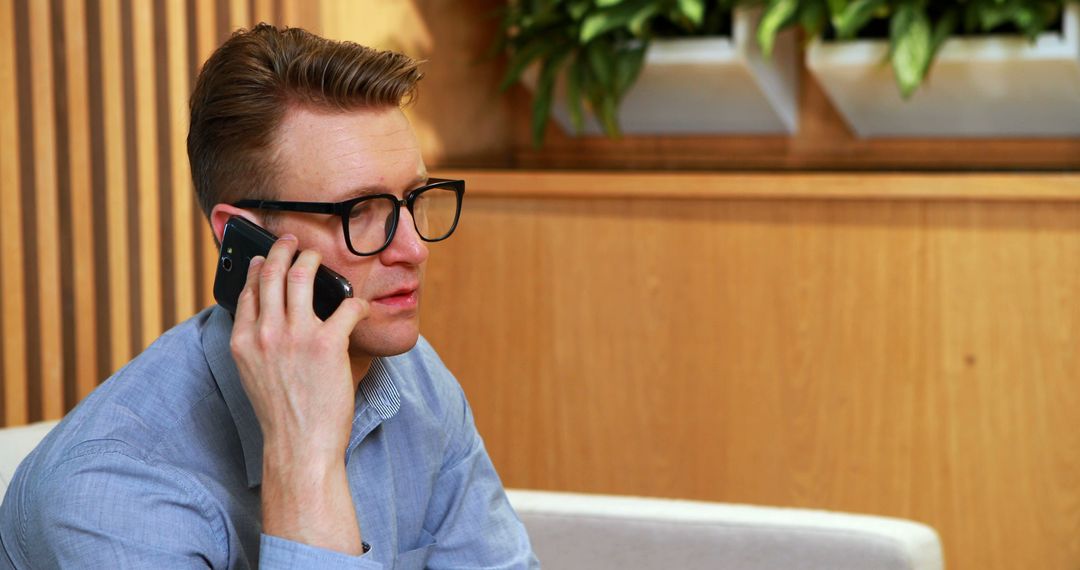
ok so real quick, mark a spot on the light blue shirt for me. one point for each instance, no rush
(160, 467)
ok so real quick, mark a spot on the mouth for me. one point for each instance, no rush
(401, 298)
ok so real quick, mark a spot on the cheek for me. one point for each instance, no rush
(353, 268)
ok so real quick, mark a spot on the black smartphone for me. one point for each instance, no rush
(244, 240)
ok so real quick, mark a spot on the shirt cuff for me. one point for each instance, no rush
(280, 554)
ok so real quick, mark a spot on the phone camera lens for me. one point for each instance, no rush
(226, 263)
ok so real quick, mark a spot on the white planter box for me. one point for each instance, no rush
(707, 85)
(997, 86)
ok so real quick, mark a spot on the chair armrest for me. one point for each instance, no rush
(571, 530)
(15, 444)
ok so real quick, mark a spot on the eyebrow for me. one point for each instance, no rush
(369, 189)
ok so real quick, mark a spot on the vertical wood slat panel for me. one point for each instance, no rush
(239, 15)
(12, 292)
(181, 208)
(95, 120)
(166, 258)
(119, 296)
(149, 224)
(290, 14)
(82, 231)
(207, 38)
(47, 250)
(305, 15)
(264, 12)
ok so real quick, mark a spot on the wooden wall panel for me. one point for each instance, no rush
(147, 245)
(81, 289)
(912, 357)
(103, 245)
(117, 267)
(13, 297)
(210, 31)
(459, 116)
(181, 246)
(42, 213)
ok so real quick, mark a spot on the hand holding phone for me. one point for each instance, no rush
(300, 377)
(243, 240)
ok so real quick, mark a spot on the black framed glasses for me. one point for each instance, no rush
(370, 221)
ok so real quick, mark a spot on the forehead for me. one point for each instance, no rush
(331, 155)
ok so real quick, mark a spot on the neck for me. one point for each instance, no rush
(360, 365)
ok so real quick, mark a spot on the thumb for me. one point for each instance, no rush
(350, 312)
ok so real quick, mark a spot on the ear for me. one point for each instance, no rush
(221, 214)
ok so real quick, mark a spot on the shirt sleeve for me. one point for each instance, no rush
(280, 554)
(473, 524)
(103, 508)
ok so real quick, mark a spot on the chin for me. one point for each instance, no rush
(386, 341)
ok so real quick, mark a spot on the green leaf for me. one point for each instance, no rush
(521, 59)
(608, 3)
(778, 14)
(912, 46)
(628, 66)
(812, 17)
(578, 8)
(598, 84)
(545, 89)
(837, 7)
(694, 10)
(637, 23)
(854, 17)
(943, 28)
(599, 55)
(537, 22)
(609, 119)
(991, 17)
(1030, 19)
(615, 17)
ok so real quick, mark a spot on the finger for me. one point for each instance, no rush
(272, 278)
(247, 306)
(345, 318)
(300, 284)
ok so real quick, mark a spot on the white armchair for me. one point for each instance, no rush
(15, 444)
(597, 532)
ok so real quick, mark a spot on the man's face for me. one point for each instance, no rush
(333, 156)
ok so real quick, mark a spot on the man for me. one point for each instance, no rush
(274, 438)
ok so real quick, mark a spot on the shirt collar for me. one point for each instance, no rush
(380, 397)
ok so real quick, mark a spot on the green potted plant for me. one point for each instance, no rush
(943, 68)
(649, 66)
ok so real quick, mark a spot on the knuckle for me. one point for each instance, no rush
(299, 274)
(238, 343)
(269, 271)
(267, 336)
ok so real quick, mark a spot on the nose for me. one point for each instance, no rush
(406, 247)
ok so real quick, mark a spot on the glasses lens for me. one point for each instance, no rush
(435, 211)
(369, 224)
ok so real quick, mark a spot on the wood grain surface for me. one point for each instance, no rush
(103, 246)
(911, 358)
(13, 299)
